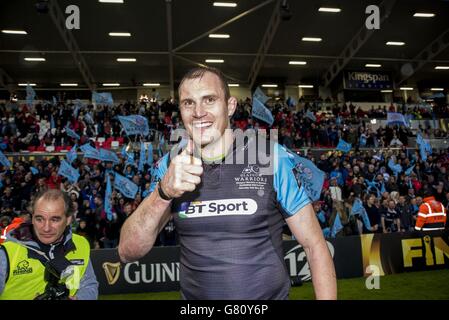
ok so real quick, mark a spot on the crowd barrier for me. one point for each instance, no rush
(354, 256)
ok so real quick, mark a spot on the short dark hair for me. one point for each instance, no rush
(198, 72)
(54, 195)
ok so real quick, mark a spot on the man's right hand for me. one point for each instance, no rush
(183, 174)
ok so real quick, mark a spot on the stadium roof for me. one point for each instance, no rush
(251, 26)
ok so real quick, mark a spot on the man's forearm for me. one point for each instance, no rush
(140, 230)
(323, 272)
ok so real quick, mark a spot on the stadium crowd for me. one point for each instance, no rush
(391, 197)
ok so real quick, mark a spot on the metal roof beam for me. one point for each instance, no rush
(7, 82)
(58, 19)
(267, 39)
(359, 39)
(224, 24)
(425, 56)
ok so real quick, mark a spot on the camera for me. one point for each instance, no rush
(54, 289)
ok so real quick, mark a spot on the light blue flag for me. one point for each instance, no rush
(310, 176)
(4, 161)
(150, 154)
(130, 159)
(72, 133)
(66, 170)
(134, 124)
(71, 155)
(125, 186)
(395, 167)
(52, 122)
(422, 146)
(55, 102)
(321, 217)
(31, 94)
(310, 115)
(108, 156)
(34, 171)
(427, 146)
(408, 118)
(78, 106)
(291, 102)
(359, 209)
(338, 121)
(88, 118)
(409, 170)
(142, 157)
(123, 152)
(422, 152)
(259, 95)
(90, 152)
(362, 141)
(104, 98)
(371, 185)
(419, 139)
(337, 226)
(344, 146)
(261, 112)
(107, 199)
(396, 118)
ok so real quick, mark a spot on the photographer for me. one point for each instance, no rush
(44, 260)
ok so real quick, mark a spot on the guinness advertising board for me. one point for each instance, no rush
(352, 255)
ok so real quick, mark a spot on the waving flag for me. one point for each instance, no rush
(142, 157)
(109, 156)
(409, 170)
(72, 133)
(150, 154)
(259, 95)
(310, 115)
(107, 199)
(125, 186)
(90, 152)
(66, 170)
(55, 102)
(310, 176)
(344, 146)
(104, 98)
(134, 124)
(372, 185)
(31, 94)
(78, 106)
(359, 209)
(291, 102)
(396, 118)
(71, 155)
(4, 161)
(337, 226)
(395, 167)
(52, 122)
(261, 112)
(34, 171)
(362, 141)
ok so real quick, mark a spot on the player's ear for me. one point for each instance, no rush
(232, 105)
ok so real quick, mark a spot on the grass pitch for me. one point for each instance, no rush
(425, 285)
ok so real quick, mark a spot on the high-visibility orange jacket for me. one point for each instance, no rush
(431, 215)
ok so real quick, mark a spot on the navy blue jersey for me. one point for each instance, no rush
(230, 228)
